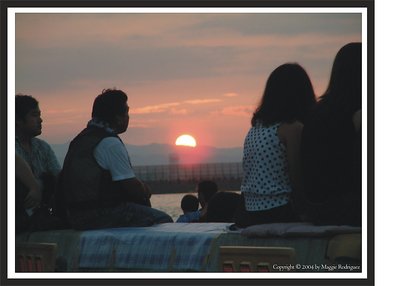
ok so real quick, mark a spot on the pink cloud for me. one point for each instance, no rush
(203, 101)
(177, 111)
(154, 108)
(230, 94)
(171, 107)
(244, 110)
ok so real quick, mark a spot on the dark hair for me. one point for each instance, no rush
(344, 88)
(23, 105)
(108, 104)
(189, 203)
(288, 96)
(208, 188)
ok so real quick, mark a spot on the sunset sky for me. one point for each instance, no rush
(201, 74)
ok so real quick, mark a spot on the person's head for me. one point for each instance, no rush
(205, 190)
(189, 203)
(288, 96)
(28, 121)
(111, 107)
(344, 88)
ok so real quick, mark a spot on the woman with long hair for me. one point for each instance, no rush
(271, 159)
(331, 146)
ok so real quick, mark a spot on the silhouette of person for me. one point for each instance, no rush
(331, 146)
(271, 155)
(205, 190)
(189, 206)
(222, 206)
(40, 158)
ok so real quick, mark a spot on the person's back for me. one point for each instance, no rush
(265, 166)
(327, 151)
(331, 146)
(332, 173)
(222, 206)
(189, 206)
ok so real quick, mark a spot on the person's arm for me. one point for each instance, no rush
(203, 214)
(24, 173)
(111, 155)
(52, 165)
(290, 136)
(135, 191)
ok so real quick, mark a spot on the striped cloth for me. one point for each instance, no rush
(164, 247)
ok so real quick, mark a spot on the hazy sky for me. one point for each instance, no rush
(201, 74)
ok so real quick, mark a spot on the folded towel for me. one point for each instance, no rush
(296, 229)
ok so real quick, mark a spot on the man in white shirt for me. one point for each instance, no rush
(98, 184)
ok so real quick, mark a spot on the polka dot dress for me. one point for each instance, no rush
(265, 182)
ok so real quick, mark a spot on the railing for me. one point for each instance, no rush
(177, 172)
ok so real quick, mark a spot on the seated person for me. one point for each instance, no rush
(331, 147)
(271, 153)
(97, 183)
(205, 190)
(189, 205)
(222, 207)
(41, 162)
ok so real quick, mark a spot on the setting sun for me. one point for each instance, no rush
(186, 140)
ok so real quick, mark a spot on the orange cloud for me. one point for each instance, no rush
(171, 107)
(154, 108)
(142, 123)
(244, 110)
(202, 101)
(61, 111)
(230, 94)
(177, 111)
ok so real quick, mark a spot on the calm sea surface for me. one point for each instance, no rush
(169, 203)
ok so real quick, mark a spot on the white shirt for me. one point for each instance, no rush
(112, 155)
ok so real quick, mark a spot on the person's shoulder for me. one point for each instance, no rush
(182, 218)
(189, 217)
(111, 145)
(194, 216)
(290, 131)
(39, 141)
(42, 143)
(110, 141)
(293, 126)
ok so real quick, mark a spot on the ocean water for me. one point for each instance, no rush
(169, 203)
